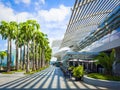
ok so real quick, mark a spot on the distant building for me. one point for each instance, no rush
(13, 60)
(4, 62)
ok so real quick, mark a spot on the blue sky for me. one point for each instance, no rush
(52, 15)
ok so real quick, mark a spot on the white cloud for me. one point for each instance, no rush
(55, 14)
(43, 1)
(6, 13)
(23, 16)
(53, 22)
(23, 1)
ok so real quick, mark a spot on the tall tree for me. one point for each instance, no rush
(20, 45)
(7, 31)
(35, 41)
(42, 45)
(45, 45)
(38, 37)
(16, 38)
(27, 31)
(48, 55)
(24, 34)
(22, 42)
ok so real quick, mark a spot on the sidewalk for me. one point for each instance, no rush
(49, 79)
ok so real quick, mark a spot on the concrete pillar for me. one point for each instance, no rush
(87, 65)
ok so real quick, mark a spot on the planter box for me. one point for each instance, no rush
(102, 83)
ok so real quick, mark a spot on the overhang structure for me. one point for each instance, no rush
(85, 19)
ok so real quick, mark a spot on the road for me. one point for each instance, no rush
(49, 79)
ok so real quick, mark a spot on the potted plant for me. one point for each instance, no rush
(78, 72)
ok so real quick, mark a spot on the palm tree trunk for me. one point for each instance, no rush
(8, 56)
(21, 57)
(41, 58)
(24, 59)
(10, 53)
(17, 66)
(28, 61)
(39, 62)
(36, 58)
(33, 68)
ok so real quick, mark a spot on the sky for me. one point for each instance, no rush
(52, 15)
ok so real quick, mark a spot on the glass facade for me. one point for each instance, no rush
(108, 31)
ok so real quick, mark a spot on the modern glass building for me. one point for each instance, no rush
(87, 15)
(13, 56)
(94, 26)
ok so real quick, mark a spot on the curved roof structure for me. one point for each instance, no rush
(86, 17)
(79, 55)
(61, 52)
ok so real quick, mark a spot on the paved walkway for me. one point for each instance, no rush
(49, 79)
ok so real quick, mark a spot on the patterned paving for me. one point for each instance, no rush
(50, 79)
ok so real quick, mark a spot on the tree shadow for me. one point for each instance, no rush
(53, 75)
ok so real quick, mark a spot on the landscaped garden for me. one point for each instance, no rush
(104, 77)
(107, 62)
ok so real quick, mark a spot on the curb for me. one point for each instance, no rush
(102, 83)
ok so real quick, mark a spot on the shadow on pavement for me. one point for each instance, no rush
(49, 79)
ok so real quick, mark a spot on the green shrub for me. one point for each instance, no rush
(106, 61)
(78, 71)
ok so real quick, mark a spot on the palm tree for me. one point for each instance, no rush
(2, 55)
(48, 52)
(24, 34)
(35, 41)
(39, 56)
(23, 42)
(7, 31)
(106, 61)
(42, 45)
(45, 45)
(17, 39)
(20, 44)
(27, 31)
(38, 39)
